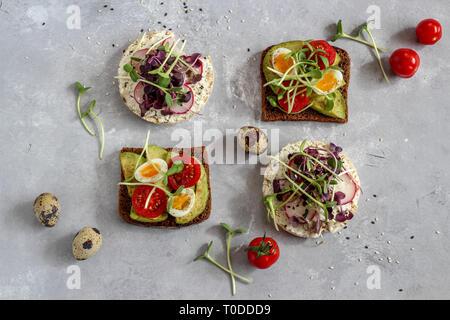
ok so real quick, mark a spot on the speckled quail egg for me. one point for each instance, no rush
(86, 243)
(252, 139)
(46, 209)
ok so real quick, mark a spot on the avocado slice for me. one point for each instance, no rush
(267, 61)
(201, 199)
(135, 216)
(318, 103)
(155, 152)
(128, 162)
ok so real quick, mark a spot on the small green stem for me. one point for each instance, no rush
(207, 256)
(344, 35)
(377, 54)
(233, 281)
(103, 133)
(81, 118)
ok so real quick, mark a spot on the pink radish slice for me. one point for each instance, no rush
(348, 187)
(139, 92)
(184, 107)
(311, 215)
(170, 40)
(138, 54)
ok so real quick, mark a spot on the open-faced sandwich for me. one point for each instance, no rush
(305, 81)
(166, 188)
(310, 187)
(160, 83)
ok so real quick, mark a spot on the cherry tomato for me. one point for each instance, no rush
(429, 31)
(300, 101)
(262, 252)
(404, 62)
(156, 204)
(190, 174)
(325, 46)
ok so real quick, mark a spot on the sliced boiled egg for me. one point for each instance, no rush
(332, 79)
(151, 171)
(181, 204)
(279, 63)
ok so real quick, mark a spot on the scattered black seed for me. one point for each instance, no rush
(113, 45)
(123, 50)
(345, 227)
(142, 30)
(366, 247)
(185, 11)
(105, 6)
(159, 22)
(184, 3)
(248, 49)
(43, 23)
(164, 26)
(112, 9)
(372, 222)
(200, 9)
(412, 237)
(374, 195)
(400, 290)
(161, 3)
(165, 14)
(170, 29)
(348, 238)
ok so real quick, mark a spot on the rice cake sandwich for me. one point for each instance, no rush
(160, 83)
(310, 187)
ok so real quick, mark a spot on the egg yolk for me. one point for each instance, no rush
(282, 65)
(151, 170)
(328, 82)
(181, 202)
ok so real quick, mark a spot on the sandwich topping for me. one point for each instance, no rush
(313, 188)
(164, 76)
(304, 74)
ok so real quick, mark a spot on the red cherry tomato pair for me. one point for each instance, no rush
(405, 62)
(301, 100)
(155, 206)
(263, 252)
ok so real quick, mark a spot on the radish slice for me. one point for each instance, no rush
(139, 92)
(295, 208)
(138, 54)
(348, 187)
(311, 215)
(184, 107)
(170, 40)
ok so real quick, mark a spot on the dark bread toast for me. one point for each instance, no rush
(270, 113)
(125, 200)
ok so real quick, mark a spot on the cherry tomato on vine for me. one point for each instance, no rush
(404, 62)
(263, 252)
(429, 31)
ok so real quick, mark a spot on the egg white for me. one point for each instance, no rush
(278, 52)
(180, 213)
(163, 169)
(340, 80)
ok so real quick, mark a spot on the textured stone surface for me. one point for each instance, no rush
(396, 136)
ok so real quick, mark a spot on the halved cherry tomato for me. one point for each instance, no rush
(404, 62)
(429, 31)
(300, 101)
(156, 204)
(325, 46)
(190, 174)
(263, 252)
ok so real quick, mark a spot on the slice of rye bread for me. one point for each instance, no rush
(169, 223)
(270, 113)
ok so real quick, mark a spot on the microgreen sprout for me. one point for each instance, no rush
(176, 167)
(81, 89)
(230, 235)
(207, 256)
(340, 34)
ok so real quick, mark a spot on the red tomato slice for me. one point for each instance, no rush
(300, 101)
(190, 174)
(156, 204)
(325, 46)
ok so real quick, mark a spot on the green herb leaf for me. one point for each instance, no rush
(333, 182)
(329, 105)
(273, 101)
(134, 76)
(227, 227)
(163, 81)
(169, 100)
(128, 68)
(135, 59)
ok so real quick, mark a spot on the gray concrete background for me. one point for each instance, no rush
(397, 135)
